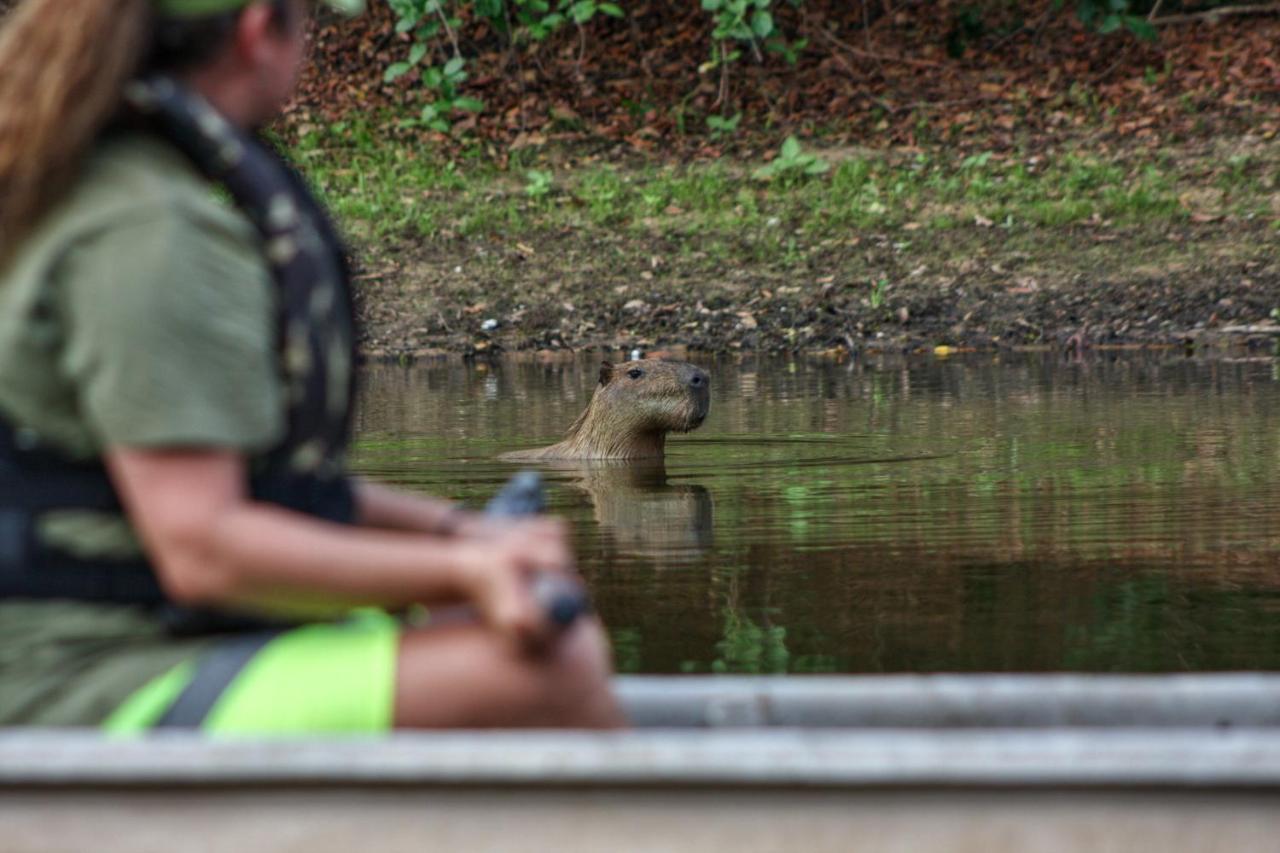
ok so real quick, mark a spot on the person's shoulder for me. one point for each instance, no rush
(132, 177)
(143, 228)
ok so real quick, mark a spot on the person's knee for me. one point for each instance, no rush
(470, 677)
(584, 653)
(576, 675)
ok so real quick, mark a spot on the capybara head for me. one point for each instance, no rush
(634, 407)
(651, 396)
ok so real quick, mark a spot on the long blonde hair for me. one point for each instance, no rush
(65, 64)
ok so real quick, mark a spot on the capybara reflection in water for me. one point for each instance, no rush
(636, 404)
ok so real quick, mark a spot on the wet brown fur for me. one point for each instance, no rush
(630, 415)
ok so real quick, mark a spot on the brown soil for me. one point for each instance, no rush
(1191, 285)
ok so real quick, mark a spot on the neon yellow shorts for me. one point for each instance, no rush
(324, 678)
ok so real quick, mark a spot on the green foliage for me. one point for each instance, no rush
(792, 164)
(878, 291)
(425, 20)
(723, 126)
(428, 21)
(1108, 16)
(581, 11)
(433, 26)
(537, 20)
(737, 24)
(737, 28)
(538, 183)
(380, 187)
(740, 20)
(750, 648)
(750, 23)
(967, 27)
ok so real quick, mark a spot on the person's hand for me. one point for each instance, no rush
(499, 564)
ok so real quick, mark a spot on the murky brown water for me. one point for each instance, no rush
(1011, 513)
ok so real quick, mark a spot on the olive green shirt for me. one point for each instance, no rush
(140, 313)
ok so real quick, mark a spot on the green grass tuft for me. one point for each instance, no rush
(384, 187)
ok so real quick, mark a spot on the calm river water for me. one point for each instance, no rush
(980, 513)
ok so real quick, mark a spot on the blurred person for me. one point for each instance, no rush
(179, 542)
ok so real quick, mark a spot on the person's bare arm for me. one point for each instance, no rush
(390, 509)
(380, 506)
(211, 544)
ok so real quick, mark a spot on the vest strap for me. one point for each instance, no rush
(215, 672)
(36, 480)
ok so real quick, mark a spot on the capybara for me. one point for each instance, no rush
(634, 407)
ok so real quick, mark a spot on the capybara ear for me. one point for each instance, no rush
(606, 372)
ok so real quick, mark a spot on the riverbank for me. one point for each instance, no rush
(1080, 245)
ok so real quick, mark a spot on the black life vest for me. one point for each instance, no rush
(316, 343)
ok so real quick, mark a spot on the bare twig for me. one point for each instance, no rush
(453, 37)
(1032, 28)
(1213, 15)
(1120, 59)
(376, 275)
(926, 106)
(1155, 10)
(866, 36)
(848, 48)
(860, 79)
(722, 97)
(514, 53)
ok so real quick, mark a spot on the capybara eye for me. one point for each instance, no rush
(635, 373)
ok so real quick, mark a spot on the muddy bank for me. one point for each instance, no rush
(1192, 285)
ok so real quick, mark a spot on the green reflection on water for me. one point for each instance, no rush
(750, 648)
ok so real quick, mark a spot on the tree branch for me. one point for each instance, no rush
(1213, 15)
(453, 38)
(826, 36)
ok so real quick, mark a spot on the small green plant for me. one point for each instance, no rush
(581, 11)
(879, 290)
(745, 21)
(442, 31)
(748, 23)
(436, 23)
(537, 183)
(967, 27)
(1107, 16)
(792, 164)
(425, 20)
(975, 161)
(750, 648)
(721, 126)
(444, 82)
